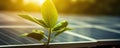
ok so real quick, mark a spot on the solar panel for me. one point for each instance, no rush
(86, 30)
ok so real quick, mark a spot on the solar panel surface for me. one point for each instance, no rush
(86, 29)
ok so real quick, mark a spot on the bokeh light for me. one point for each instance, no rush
(74, 0)
(38, 2)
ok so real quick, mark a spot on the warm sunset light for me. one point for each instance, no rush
(38, 2)
(73, 0)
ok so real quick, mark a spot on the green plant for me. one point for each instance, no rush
(49, 22)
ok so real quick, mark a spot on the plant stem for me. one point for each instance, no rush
(49, 37)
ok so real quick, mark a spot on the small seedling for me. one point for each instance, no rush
(48, 22)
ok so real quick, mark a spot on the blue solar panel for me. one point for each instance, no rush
(115, 28)
(89, 29)
(97, 33)
(68, 38)
(12, 36)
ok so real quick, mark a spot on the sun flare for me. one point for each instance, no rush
(38, 2)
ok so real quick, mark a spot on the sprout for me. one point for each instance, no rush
(49, 22)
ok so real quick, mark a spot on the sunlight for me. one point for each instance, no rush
(13, 1)
(74, 0)
(38, 2)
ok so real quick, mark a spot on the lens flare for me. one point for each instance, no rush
(38, 2)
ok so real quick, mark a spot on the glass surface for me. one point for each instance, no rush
(12, 36)
(11, 26)
(97, 33)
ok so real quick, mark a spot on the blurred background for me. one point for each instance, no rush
(87, 7)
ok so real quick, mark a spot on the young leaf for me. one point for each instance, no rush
(41, 32)
(61, 31)
(25, 34)
(33, 19)
(68, 29)
(61, 25)
(49, 13)
(36, 34)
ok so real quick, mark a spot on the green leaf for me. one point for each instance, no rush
(68, 28)
(24, 35)
(49, 13)
(36, 34)
(61, 31)
(38, 31)
(33, 19)
(61, 25)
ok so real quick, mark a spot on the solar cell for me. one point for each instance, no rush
(86, 29)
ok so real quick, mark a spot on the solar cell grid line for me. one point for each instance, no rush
(97, 33)
(2, 42)
(101, 20)
(64, 37)
(115, 28)
(8, 39)
(107, 29)
(10, 36)
(100, 27)
(17, 36)
(111, 19)
(28, 39)
(106, 34)
(81, 22)
(80, 26)
(81, 36)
